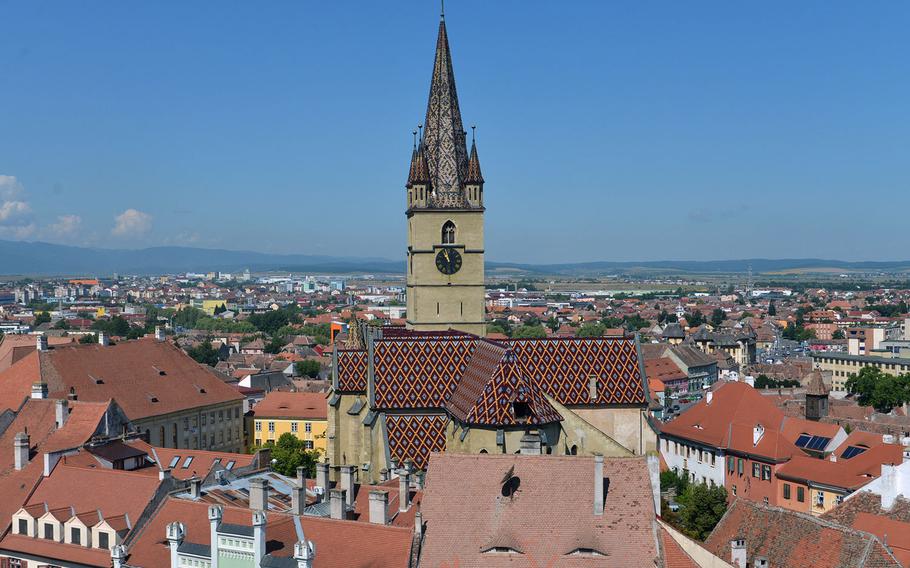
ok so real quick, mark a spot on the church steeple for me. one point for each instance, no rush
(444, 136)
(474, 177)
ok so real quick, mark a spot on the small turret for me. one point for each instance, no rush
(418, 179)
(474, 178)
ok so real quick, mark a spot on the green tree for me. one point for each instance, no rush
(43, 317)
(882, 391)
(307, 368)
(635, 322)
(529, 331)
(671, 480)
(838, 334)
(115, 326)
(701, 509)
(695, 319)
(62, 324)
(718, 316)
(500, 326)
(219, 309)
(88, 338)
(187, 317)
(553, 323)
(204, 353)
(772, 309)
(289, 453)
(590, 330)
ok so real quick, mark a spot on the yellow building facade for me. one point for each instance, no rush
(304, 415)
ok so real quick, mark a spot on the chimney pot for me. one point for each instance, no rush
(41, 343)
(738, 553)
(159, 333)
(404, 489)
(379, 507)
(22, 449)
(298, 500)
(62, 412)
(530, 443)
(347, 482)
(259, 494)
(337, 505)
(39, 390)
(102, 339)
(598, 484)
(195, 487)
(322, 477)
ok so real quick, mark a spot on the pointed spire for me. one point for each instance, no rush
(421, 170)
(474, 176)
(444, 139)
(413, 168)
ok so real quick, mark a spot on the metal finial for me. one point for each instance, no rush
(420, 128)
(415, 139)
(473, 134)
(442, 9)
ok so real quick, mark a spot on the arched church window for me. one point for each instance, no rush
(448, 233)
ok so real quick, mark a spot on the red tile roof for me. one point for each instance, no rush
(339, 544)
(134, 373)
(293, 405)
(468, 518)
(796, 540)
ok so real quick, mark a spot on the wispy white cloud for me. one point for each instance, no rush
(132, 223)
(15, 212)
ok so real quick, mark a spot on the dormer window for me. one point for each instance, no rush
(502, 550)
(590, 552)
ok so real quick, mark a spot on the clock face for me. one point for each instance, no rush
(448, 261)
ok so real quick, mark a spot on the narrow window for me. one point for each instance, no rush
(448, 233)
(437, 308)
(801, 494)
(76, 535)
(786, 491)
(103, 540)
(23, 526)
(48, 531)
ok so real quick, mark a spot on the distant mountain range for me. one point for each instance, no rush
(37, 258)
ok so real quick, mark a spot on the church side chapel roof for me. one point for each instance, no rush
(419, 373)
(352, 370)
(415, 436)
(495, 389)
(423, 370)
(563, 368)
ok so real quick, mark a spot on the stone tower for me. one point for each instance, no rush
(816, 396)
(445, 272)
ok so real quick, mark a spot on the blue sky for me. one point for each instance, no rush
(606, 130)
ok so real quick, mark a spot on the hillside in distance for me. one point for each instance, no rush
(45, 259)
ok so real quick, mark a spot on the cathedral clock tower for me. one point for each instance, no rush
(445, 271)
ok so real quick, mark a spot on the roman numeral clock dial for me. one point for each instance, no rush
(448, 261)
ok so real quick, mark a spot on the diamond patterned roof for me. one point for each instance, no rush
(563, 367)
(493, 381)
(419, 373)
(352, 370)
(414, 436)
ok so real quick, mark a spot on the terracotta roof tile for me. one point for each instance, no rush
(302, 405)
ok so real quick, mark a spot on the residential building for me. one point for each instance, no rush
(754, 535)
(843, 365)
(174, 401)
(303, 414)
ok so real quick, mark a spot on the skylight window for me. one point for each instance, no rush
(187, 462)
(174, 462)
(502, 550)
(230, 465)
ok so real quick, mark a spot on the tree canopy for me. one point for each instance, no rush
(878, 389)
(289, 453)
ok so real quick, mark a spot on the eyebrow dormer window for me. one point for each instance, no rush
(448, 233)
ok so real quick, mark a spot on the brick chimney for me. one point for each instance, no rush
(176, 533)
(301, 477)
(103, 339)
(379, 507)
(598, 484)
(41, 343)
(347, 482)
(259, 494)
(21, 450)
(216, 512)
(337, 505)
(404, 489)
(738, 554)
(62, 412)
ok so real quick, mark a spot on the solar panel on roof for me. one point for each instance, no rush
(852, 451)
(803, 440)
(818, 443)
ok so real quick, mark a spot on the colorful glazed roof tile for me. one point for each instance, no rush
(414, 436)
(495, 390)
(563, 368)
(419, 373)
(352, 370)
